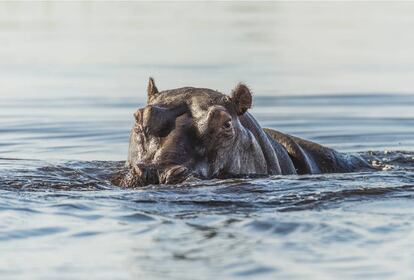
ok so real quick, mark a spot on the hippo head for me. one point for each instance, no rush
(197, 132)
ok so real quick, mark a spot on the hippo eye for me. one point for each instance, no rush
(227, 124)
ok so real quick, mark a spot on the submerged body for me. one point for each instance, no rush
(198, 132)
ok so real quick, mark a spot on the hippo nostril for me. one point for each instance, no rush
(146, 174)
(174, 175)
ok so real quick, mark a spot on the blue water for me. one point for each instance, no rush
(72, 75)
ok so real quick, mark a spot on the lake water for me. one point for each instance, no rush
(72, 74)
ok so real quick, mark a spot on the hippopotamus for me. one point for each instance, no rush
(201, 133)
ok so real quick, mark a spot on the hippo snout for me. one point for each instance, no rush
(174, 174)
(144, 174)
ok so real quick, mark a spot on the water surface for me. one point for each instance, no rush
(72, 74)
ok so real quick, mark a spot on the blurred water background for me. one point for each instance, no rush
(72, 74)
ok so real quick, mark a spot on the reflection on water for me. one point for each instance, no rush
(71, 75)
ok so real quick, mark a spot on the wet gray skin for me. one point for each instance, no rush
(199, 132)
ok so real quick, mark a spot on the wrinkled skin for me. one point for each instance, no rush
(198, 132)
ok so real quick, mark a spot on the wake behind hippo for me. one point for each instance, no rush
(202, 133)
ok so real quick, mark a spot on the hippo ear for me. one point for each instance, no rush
(152, 90)
(241, 98)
